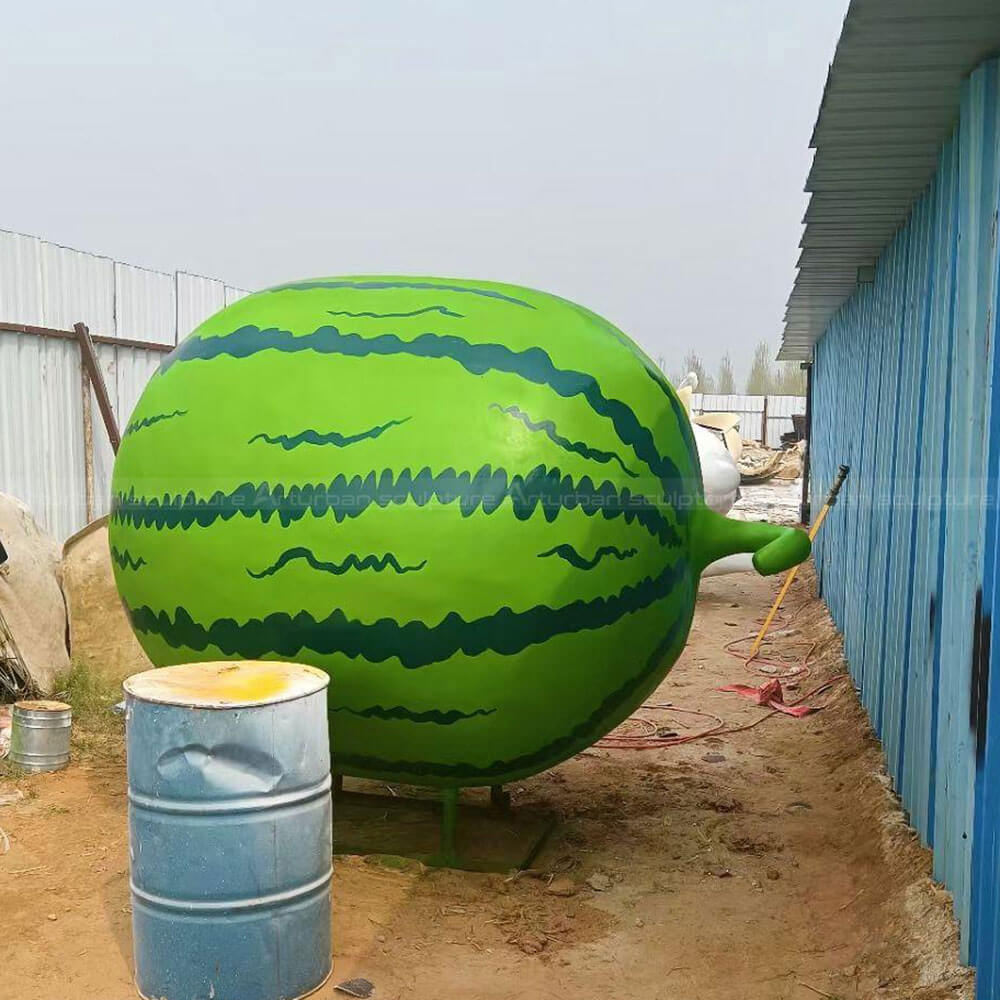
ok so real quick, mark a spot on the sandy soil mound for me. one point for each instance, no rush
(30, 593)
(100, 636)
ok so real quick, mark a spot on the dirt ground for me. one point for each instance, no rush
(770, 863)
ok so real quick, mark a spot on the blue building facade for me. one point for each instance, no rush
(906, 391)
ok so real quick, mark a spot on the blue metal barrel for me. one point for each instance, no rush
(229, 830)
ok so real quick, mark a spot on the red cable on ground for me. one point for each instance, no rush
(617, 740)
(774, 711)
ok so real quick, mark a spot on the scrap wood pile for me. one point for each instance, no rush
(758, 463)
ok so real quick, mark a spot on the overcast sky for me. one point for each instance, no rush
(643, 157)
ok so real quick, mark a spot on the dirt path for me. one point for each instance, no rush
(737, 867)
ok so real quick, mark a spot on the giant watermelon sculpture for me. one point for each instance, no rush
(476, 505)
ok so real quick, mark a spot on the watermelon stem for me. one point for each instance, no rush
(775, 548)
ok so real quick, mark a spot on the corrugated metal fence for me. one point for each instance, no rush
(753, 411)
(43, 445)
(903, 393)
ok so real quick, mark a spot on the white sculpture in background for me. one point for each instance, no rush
(719, 444)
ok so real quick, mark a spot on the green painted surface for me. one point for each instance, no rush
(477, 506)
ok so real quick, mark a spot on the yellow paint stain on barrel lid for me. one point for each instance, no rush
(226, 683)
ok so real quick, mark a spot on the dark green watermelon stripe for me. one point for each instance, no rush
(288, 442)
(414, 644)
(487, 488)
(444, 310)
(681, 417)
(378, 286)
(138, 425)
(124, 560)
(399, 713)
(352, 562)
(574, 558)
(533, 364)
(548, 428)
(580, 736)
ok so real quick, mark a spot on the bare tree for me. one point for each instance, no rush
(693, 363)
(726, 382)
(791, 379)
(761, 380)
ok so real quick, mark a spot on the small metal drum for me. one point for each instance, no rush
(230, 821)
(39, 736)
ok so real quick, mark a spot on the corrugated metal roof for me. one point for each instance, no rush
(891, 100)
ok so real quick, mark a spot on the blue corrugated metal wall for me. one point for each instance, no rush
(903, 393)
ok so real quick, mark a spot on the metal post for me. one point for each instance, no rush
(805, 507)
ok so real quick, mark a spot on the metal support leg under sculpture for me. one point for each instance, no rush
(449, 819)
(499, 799)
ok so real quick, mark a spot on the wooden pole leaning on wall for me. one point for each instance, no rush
(88, 442)
(89, 357)
(831, 499)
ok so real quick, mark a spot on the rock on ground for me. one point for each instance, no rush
(31, 596)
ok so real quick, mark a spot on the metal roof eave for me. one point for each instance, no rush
(889, 103)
